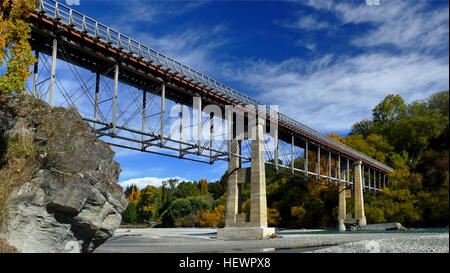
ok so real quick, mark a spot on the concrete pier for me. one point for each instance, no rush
(359, 198)
(238, 225)
(342, 210)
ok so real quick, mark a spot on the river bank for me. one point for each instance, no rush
(203, 240)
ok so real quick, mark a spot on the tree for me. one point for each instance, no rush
(186, 189)
(14, 37)
(364, 127)
(130, 215)
(386, 113)
(203, 187)
(149, 202)
(188, 208)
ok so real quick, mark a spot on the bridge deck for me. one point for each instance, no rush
(97, 47)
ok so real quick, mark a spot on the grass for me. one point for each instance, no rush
(5, 248)
(21, 161)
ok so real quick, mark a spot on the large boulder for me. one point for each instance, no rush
(63, 193)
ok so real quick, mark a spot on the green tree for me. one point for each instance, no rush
(183, 207)
(130, 215)
(186, 189)
(364, 128)
(386, 113)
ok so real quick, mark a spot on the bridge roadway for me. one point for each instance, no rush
(89, 44)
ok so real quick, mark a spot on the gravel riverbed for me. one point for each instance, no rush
(203, 240)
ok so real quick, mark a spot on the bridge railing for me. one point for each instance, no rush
(121, 42)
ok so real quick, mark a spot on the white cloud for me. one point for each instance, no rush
(156, 11)
(306, 22)
(405, 24)
(194, 47)
(143, 182)
(332, 93)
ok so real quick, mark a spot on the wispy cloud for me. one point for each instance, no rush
(404, 24)
(331, 93)
(153, 11)
(305, 22)
(194, 46)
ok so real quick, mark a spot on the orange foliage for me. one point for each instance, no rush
(134, 195)
(216, 218)
(203, 186)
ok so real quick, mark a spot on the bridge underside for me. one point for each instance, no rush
(143, 124)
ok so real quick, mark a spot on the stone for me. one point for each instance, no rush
(71, 201)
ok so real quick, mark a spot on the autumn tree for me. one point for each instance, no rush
(203, 187)
(14, 44)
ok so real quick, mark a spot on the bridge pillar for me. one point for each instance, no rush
(237, 224)
(258, 202)
(359, 198)
(342, 209)
(232, 207)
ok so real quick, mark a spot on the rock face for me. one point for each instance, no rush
(71, 202)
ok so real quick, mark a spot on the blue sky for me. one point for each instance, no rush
(324, 63)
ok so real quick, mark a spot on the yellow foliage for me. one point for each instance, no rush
(203, 186)
(14, 37)
(273, 217)
(134, 195)
(298, 213)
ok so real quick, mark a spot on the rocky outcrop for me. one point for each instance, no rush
(68, 200)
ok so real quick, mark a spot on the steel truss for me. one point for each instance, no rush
(80, 41)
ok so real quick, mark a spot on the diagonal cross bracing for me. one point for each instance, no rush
(56, 17)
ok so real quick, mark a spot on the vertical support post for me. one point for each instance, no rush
(339, 167)
(363, 177)
(144, 106)
(35, 74)
(379, 179)
(342, 210)
(292, 154)
(329, 166)
(211, 137)
(336, 176)
(97, 95)
(198, 106)
(375, 178)
(359, 198)
(370, 182)
(276, 150)
(318, 164)
(348, 171)
(53, 72)
(163, 110)
(181, 130)
(384, 180)
(116, 86)
(306, 158)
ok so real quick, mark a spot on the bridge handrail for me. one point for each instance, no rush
(105, 34)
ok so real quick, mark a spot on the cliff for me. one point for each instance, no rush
(58, 182)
